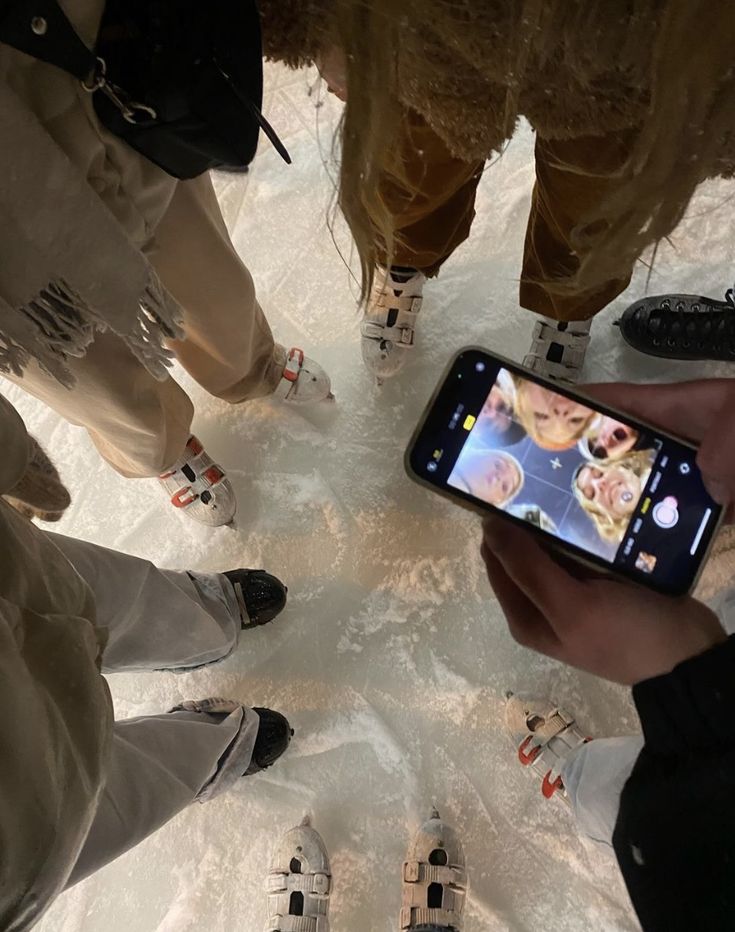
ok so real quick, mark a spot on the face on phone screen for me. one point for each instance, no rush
(613, 490)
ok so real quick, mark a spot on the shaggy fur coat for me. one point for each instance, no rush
(473, 68)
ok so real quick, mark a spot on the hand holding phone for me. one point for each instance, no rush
(702, 411)
(614, 492)
(610, 628)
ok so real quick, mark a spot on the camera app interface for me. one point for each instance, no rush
(623, 494)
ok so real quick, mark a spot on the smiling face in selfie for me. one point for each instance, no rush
(493, 476)
(614, 490)
(500, 479)
(552, 421)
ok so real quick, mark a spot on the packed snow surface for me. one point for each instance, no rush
(392, 658)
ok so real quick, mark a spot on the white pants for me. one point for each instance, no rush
(594, 775)
(160, 620)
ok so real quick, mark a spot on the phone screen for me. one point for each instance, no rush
(617, 492)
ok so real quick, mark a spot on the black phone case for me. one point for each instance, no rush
(563, 547)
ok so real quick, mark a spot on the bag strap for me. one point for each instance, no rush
(270, 133)
(41, 29)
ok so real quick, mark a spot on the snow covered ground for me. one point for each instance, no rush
(392, 658)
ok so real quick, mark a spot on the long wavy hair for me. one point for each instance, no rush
(612, 528)
(524, 416)
(684, 50)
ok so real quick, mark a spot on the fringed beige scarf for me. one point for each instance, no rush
(67, 268)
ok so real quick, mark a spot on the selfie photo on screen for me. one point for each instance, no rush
(556, 463)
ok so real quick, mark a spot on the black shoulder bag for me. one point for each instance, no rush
(180, 81)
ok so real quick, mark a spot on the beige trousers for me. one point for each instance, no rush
(433, 214)
(140, 425)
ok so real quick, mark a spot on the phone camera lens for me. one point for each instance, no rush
(479, 367)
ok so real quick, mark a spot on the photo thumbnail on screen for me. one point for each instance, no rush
(557, 463)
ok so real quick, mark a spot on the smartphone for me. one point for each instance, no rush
(614, 492)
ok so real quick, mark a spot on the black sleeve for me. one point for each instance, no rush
(675, 835)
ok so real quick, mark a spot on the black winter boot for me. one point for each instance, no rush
(681, 326)
(274, 737)
(260, 595)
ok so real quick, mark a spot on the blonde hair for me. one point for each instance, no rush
(679, 55)
(612, 527)
(519, 473)
(483, 455)
(526, 419)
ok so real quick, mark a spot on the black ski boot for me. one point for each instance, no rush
(260, 596)
(274, 737)
(682, 326)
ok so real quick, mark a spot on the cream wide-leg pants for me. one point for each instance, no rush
(138, 424)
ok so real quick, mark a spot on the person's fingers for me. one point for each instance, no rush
(701, 411)
(685, 409)
(546, 585)
(526, 624)
(716, 457)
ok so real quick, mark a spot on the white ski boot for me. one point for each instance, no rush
(544, 736)
(558, 349)
(389, 322)
(434, 879)
(299, 883)
(199, 488)
(303, 381)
